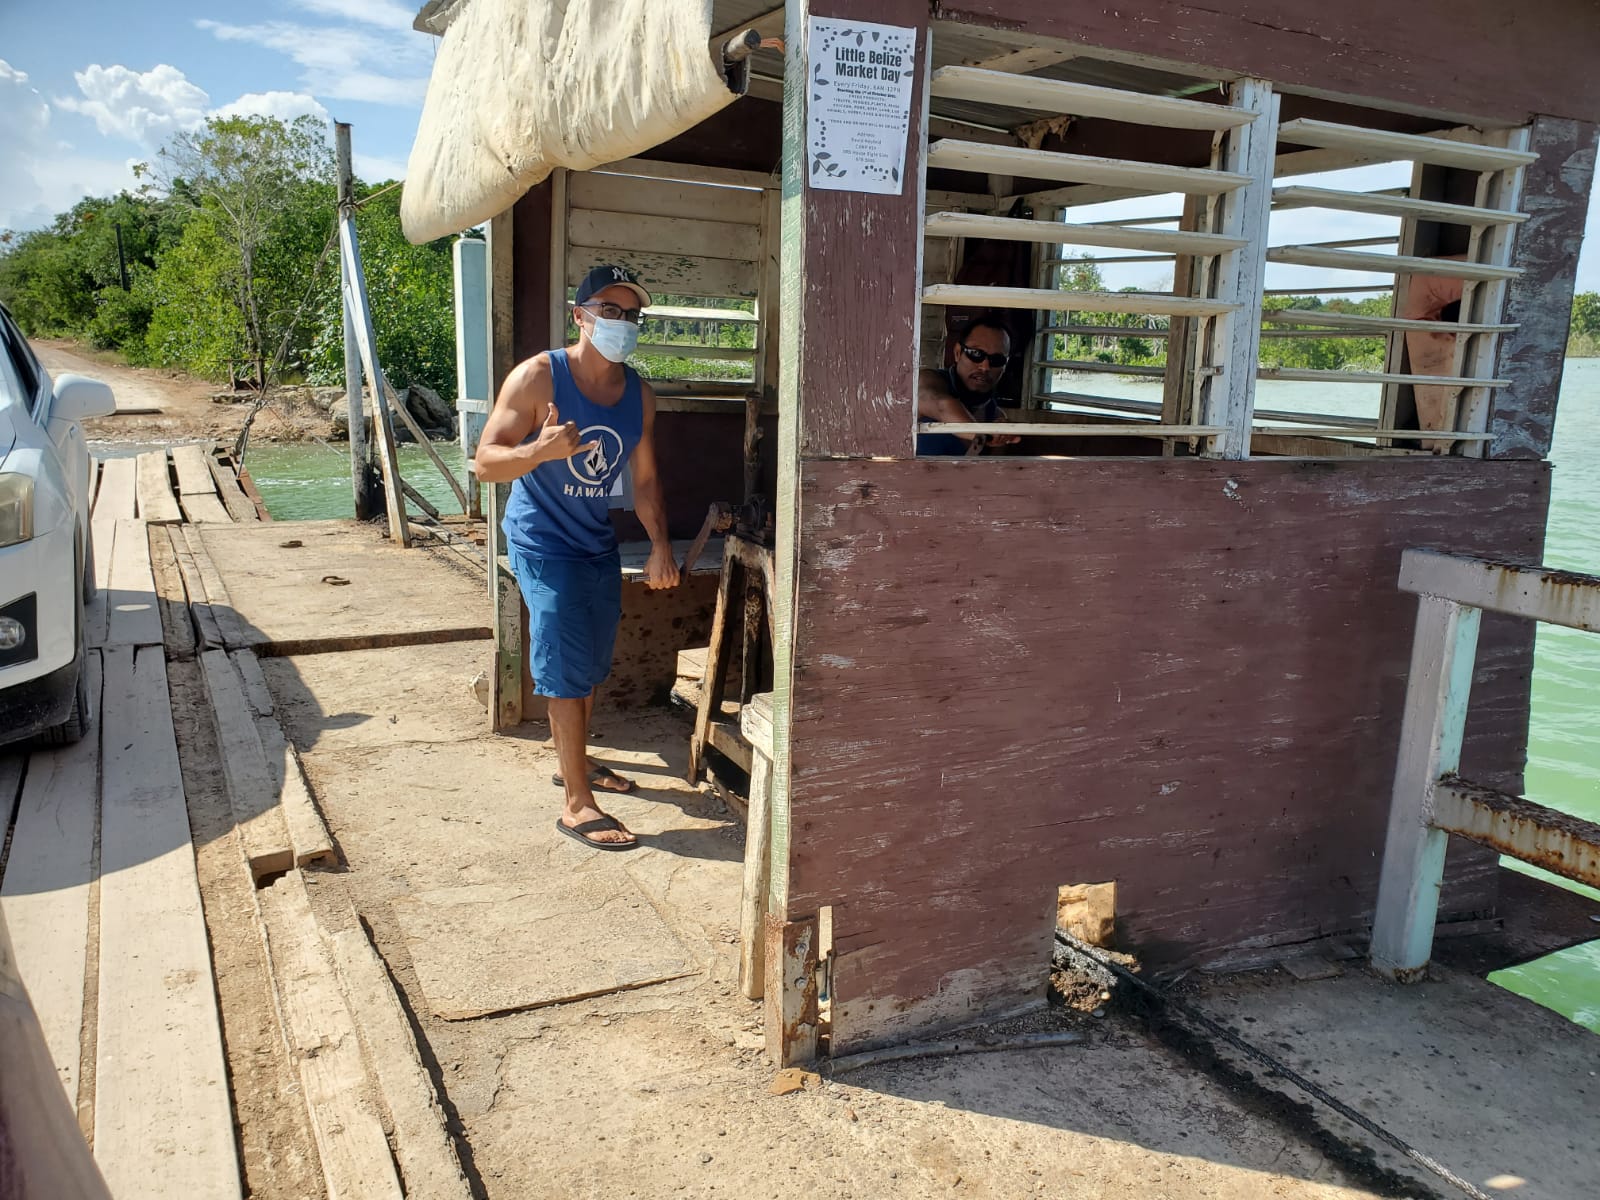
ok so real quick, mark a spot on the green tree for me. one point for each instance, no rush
(247, 178)
(1585, 338)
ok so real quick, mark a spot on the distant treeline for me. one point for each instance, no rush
(1136, 348)
(225, 267)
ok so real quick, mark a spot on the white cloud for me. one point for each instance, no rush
(374, 168)
(142, 107)
(384, 13)
(343, 62)
(43, 177)
(285, 106)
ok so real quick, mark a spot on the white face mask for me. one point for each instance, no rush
(615, 340)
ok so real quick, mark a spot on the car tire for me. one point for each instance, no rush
(76, 725)
(88, 571)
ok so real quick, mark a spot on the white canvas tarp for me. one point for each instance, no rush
(521, 87)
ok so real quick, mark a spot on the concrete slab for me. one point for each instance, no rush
(1502, 1092)
(487, 949)
(324, 585)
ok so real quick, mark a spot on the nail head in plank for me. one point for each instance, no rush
(45, 893)
(356, 1163)
(1080, 99)
(162, 1109)
(949, 154)
(427, 1156)
(156, 503)
(1409, 147)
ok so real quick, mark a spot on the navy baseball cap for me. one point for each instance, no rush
(610, 275)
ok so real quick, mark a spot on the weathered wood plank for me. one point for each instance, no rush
(172, 597)
(31, 1111)
(97, 614)
(192, 464)
(679, 274)
(44, 897)
(1435, 61)
(756, 725)
(240, 507)
(356, 1164)
(663, 198)
(156, 502)
(208, 635)
(117, 497)
(665, 235)
(427, 1156)
(161, 1091)
(260, 821)
(230, 627)
(203, 508)
(135, 620)
(1555, 192)
(1002, 761)
(256, 691)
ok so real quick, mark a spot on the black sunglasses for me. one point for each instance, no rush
(975, 355)
(614, 312)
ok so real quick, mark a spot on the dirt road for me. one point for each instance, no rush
(158, 405)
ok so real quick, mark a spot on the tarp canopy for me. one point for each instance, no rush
(521, 87)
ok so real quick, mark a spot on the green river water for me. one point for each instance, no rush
(307, 481)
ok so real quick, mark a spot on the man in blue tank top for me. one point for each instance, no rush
(565, 426)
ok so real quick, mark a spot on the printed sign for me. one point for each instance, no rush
(860, 105)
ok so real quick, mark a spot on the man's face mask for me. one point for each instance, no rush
(614, 339)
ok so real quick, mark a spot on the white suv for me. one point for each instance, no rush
(46, 563)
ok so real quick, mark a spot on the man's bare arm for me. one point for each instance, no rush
(936, 402)
(526, 402)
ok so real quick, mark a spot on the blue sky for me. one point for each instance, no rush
(88, 87)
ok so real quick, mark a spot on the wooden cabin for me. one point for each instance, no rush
(1157, 643)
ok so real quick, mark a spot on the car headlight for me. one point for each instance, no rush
(16, 508)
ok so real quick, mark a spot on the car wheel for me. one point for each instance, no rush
(88, 572)
(77, 723)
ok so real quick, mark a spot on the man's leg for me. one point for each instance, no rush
(569, 727)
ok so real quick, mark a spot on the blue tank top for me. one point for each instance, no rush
(560, 508)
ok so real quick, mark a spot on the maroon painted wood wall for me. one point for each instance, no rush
(1186, 676)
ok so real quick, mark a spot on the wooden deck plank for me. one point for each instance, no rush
(156, 502)
(427, 1156)
(177, 623)
(45, 893)
(257, 815)
(194, 475)
(229, 627)
(205, 508)
(134, 619)
(116, 499)
(256, 691)
(161, 1089)
(240, 507)
(208, 635)
(356, 1164)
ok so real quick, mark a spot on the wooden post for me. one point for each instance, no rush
(361, 475)
(1178, 383)
(755, 722)
(1229, 399)
(718, 653)
(505, 598)
(1442, 657)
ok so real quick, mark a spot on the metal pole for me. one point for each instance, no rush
(122, 258)
(367, 503)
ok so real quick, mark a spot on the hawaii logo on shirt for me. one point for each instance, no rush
(595, 469)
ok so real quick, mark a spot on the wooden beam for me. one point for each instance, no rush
(1312, 375)
(135, 620)
(1384, 205)
(162, 1110)
(596, 193)
(194, 476)
(1013, 229)
(257, 815)
(172, 595)
(1051, 429)
(354, 284)
(1149, 178)
(1389, 264)
(156, 502)
(1330, 319)
(1403, 147)
(229, 489)
(117, 497)
(1080, 99)
(1539, 593)
(1155, 303)
(665, 235)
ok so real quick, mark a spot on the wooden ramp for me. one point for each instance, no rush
(102, 897)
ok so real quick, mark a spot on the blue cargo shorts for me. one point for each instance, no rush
(574, 607)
